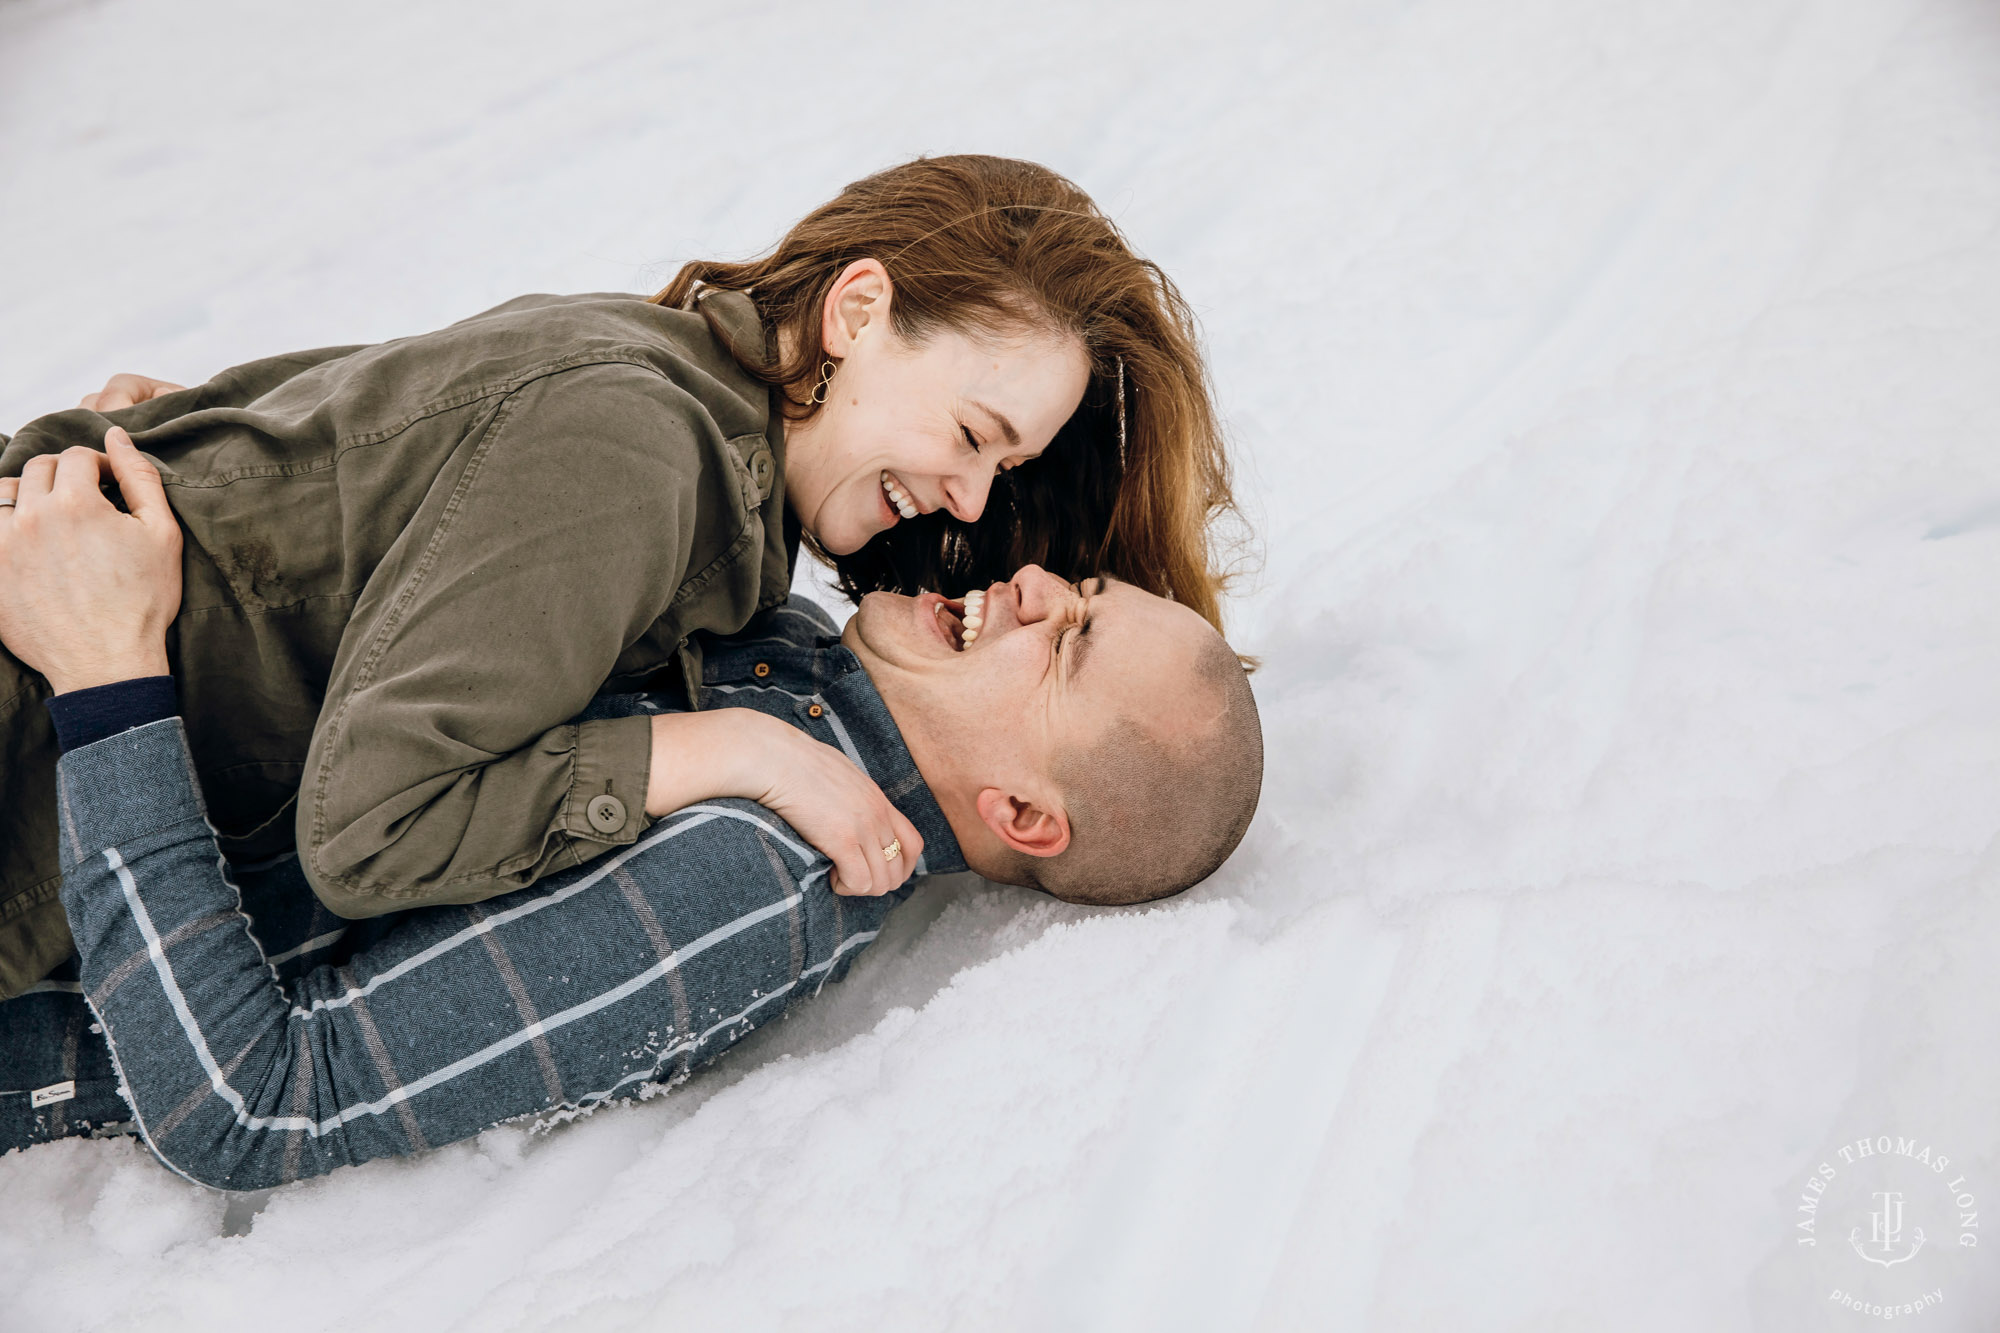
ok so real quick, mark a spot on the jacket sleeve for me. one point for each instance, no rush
(235, 387)
(447, 1021)
(441, 770)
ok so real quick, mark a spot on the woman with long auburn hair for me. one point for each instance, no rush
(408, 567)
(998, 250)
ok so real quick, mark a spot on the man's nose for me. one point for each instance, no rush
(1039, 593)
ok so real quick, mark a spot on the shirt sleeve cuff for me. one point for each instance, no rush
(84, 717)
(125, 787)
(607, 798)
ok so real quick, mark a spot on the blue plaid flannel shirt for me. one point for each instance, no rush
(260, 1040)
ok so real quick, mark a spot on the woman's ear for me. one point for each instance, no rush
(1023, 825)
(858, 300)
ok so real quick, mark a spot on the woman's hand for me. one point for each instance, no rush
(126, 391)
(834, 805)
(87, 592)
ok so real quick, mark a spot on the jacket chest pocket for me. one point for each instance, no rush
(756, 469)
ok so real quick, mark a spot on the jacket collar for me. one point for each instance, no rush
(737, 315)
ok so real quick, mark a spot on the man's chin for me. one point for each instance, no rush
(890, 628)
(868, 629)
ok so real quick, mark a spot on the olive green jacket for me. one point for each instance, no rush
(407, 564)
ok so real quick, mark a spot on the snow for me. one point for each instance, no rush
(1614, 393)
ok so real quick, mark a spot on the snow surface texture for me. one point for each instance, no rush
(1616, 396)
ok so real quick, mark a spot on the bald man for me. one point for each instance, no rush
(1088, 740)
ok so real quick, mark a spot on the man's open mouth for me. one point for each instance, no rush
(961, 620)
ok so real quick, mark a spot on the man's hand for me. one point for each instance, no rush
(126, 391)
(87, 593)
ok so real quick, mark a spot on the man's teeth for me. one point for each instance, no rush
(962, 625)
(898, 498)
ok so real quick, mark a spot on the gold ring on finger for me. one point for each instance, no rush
(893, 850)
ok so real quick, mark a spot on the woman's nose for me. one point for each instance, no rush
(965, 494)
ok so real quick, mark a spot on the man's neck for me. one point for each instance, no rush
(954, 790)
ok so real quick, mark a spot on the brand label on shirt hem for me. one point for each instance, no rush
(55, 1092)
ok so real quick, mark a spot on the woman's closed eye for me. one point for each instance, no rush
(966, 431)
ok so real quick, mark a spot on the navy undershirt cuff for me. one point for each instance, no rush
(85, 716)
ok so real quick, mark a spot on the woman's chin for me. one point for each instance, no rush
(843, 539)
(844, 524)
(836, 532)
(855, 532)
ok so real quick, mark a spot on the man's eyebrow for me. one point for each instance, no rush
(1083, 639)
(1006, 427)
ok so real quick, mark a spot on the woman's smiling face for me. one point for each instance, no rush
(931, 422)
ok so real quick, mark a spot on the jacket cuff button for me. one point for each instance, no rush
(606, 814)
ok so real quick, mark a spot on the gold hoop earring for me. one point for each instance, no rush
(825, 379)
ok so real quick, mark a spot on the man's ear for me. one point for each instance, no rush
(1023, 825)
(858, 299)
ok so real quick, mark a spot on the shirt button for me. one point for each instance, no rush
(607, 814)
(814, 711)
(762, 468)
(761, 670)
